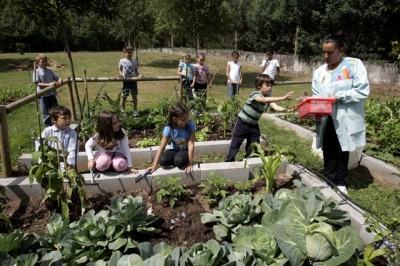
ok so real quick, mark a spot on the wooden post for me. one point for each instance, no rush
(180, 89)
(71, 100)
(5, 143)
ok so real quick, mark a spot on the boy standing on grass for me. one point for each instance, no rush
(44, 77)
(246, 126)
(61, 118)
(128, 67)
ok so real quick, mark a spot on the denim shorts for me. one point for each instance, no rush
(129, 88)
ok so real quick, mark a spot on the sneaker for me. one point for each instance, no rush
(342, 189)
(135, 113)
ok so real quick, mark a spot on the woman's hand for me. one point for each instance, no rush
(132, 170)
(91, 164)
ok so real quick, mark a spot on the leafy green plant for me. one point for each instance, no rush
(214, 187)
(21, 47)
(233, 212)
(244, 186)
(2, 216)
(158, 116)
(389, 234)
(48, 171)
(148, 142)
(171, 189)
(269, 166)
(211, 157)
(228, 111)
(202, 135)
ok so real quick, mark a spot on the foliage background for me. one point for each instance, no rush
(289, 26)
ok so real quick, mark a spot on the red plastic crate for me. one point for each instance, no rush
(315, 107)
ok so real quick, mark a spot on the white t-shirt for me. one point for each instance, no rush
(235, 71)
(271, 68)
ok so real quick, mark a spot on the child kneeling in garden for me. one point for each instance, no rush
(113, 146)
(181, 132)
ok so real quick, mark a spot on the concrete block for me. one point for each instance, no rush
(234, 171)
(381, 170)
(20, 189)
(307, 177)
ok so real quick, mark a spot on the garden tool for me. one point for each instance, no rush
(141, 176)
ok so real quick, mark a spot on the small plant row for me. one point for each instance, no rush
(286, 228)
(156, 118)
(383, 129)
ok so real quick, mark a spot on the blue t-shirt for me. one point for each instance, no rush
(191, 70)
(180, 137)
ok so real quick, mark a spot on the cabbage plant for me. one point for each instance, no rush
(233, 211)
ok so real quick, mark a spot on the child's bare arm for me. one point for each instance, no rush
(274, 99)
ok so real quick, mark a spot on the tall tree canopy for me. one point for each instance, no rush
(289, 26)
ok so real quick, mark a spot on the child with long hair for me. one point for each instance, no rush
(181, 132)
(113, 145)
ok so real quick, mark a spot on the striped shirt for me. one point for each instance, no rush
(253, 110)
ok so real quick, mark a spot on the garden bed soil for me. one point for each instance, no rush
(31, 216)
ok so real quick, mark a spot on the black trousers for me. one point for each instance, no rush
(242, 131)
(335, 160)
(172, 157)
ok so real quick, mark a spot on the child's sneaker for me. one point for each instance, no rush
(342, 189)
(135, 113)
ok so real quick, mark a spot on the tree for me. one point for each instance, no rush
(55, 12)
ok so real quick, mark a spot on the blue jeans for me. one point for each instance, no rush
(45, 104)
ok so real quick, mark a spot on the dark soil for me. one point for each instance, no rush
(31, 216)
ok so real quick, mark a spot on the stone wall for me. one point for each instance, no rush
(379, 74)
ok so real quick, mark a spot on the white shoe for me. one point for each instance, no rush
(342, 189)
(135, 113)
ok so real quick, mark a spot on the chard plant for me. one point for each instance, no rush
(48, 171)
(171, 189)
(214, 187)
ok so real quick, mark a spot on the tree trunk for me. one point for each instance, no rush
(172, 40)
(236, 40)
(71, 63)
(296, 39)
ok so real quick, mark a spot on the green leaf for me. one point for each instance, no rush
(117, 244)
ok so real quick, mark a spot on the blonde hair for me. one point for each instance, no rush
(40, 57)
